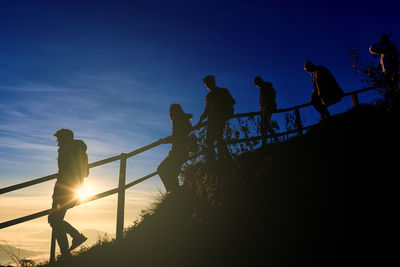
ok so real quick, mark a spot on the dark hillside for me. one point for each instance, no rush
(310, 201)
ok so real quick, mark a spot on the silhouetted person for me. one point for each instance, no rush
(219, 108)
(169, 168)
(389, 62)
(326, 90)
(267, 105)
(71, 172)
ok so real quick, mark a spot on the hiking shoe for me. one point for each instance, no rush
(76, 242)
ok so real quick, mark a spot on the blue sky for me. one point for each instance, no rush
(109, 70)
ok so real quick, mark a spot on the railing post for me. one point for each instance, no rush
(121, 197)
(354, 99)
(298, 122)
(53, 247)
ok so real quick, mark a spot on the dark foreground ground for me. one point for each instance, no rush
(322, 199)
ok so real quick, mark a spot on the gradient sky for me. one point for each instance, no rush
(109, 71)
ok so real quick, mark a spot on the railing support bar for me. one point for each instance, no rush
(121, 197)
(354, 99)
(53, 247)
(298, 122)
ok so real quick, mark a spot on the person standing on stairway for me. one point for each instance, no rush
(326, 90)
(169, 168)
(267, 105)
(219, 108)
(72, 168)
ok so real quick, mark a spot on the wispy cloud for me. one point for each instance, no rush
(32, 87)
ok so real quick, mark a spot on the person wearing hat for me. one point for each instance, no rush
(326, 90)
(218, 109)
(267, 105)
(69, 179)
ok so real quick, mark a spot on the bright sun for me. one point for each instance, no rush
(85, 191)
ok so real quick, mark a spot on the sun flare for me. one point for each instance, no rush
(85, 192)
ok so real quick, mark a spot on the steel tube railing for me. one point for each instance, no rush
(90, 199)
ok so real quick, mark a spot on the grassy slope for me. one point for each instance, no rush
(307, 201)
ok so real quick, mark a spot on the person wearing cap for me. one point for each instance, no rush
(69, 180)
(267, 105)
(326, 90)
(219, 108)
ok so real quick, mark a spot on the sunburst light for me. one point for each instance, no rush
(86, 191)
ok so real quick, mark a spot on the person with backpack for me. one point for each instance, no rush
(267, 105)
(219, 108)
(72, 169)
(169, 168)
(326, 90)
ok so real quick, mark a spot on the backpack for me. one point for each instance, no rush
(84, 162)
(82, 159)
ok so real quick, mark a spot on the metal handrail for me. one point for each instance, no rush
(91, 165)
(89, 199)
(282, 110)
(157, 143)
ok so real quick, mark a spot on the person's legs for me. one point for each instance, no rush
(61, 197)
(69, 229)
(163, 172)
(321, 108)
(392, 93)
(77, 241)
(266, 114)
(269, 128)
(56, 222)
(263, 127)
(65, 228)
(168, 170)
(173, 179)
(211, 136)
(223, 151)
(62, 241)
